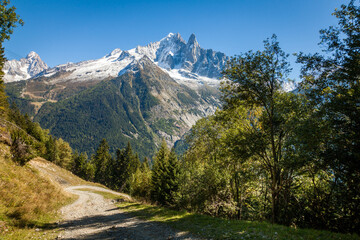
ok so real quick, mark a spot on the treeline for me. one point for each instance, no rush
(158, 183)
(29, 140)
(291, 158)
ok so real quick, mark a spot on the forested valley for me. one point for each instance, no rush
(290, 158)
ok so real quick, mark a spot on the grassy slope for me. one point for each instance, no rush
(28, 202)
(217, 228)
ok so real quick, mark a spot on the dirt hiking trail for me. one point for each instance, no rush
(92, 216)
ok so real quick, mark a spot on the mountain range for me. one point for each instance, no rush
(141, 95)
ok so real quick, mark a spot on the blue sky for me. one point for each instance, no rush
(63, 31)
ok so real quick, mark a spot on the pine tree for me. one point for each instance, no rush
(165, 176)
(171, 178)
(126, 164)
(158, 172)
(52, 153)
(101, 159)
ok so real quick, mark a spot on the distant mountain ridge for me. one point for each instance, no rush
(142, 95)
(187, 63)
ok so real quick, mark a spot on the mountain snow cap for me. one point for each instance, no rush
(32, 54)
(172, 37)
(115, 51)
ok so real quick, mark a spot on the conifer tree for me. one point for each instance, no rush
(158, 172)
(51, 150)
(171, 178)
(165, 176)
(101, 160)
(126, 164)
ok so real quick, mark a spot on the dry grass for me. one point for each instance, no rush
(57, 174)
(26, 199)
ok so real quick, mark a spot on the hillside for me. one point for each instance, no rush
(28, 201)
(141, 106)
(141, 95)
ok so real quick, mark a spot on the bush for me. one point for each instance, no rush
(20, 150)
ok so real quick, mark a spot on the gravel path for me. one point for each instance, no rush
(93, 217)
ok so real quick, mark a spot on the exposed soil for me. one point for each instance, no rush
(92, 216)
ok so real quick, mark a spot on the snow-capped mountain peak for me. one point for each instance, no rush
(25, 68)
(186, 63)
(32, 55)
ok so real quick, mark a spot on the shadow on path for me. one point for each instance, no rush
(119, 225)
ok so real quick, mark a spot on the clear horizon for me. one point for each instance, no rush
(73, 31)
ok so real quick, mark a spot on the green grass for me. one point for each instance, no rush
(217, 228)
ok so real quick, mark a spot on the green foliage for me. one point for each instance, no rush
(64, 153)
(219, 228)
(20, 147)
(331, 82)
(140, 181)
(114, 110)
(163, 124)
(126, 164)
(82, 167)
(13, 90)
(52, 153)
(101, 161)
(165, 176)
(269, 154)
(255, 80)
(8, 21)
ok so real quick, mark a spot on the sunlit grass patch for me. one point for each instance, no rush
(29, 203)
(217, 228)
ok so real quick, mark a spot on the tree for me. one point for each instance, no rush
(332, 84)
(52, 153)
(64, 153)
(165, 176)
(172, 178)
(101, 160)
(20, 149)
(125, 166)
(8, 21)
(140, 181)
(158, 171)
(81, 167)
(256, 80)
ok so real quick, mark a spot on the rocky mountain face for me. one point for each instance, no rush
(25, 68)
(141, 95)
(175, 53)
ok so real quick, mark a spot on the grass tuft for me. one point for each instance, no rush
(28, 202)
(217, 228)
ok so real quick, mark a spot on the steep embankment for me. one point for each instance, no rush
(28, 201)
(92, 216)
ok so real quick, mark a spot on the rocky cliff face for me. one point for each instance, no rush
(141, 95)
(187, 63)
(142, 106)
(175, 53)
(25, 68)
